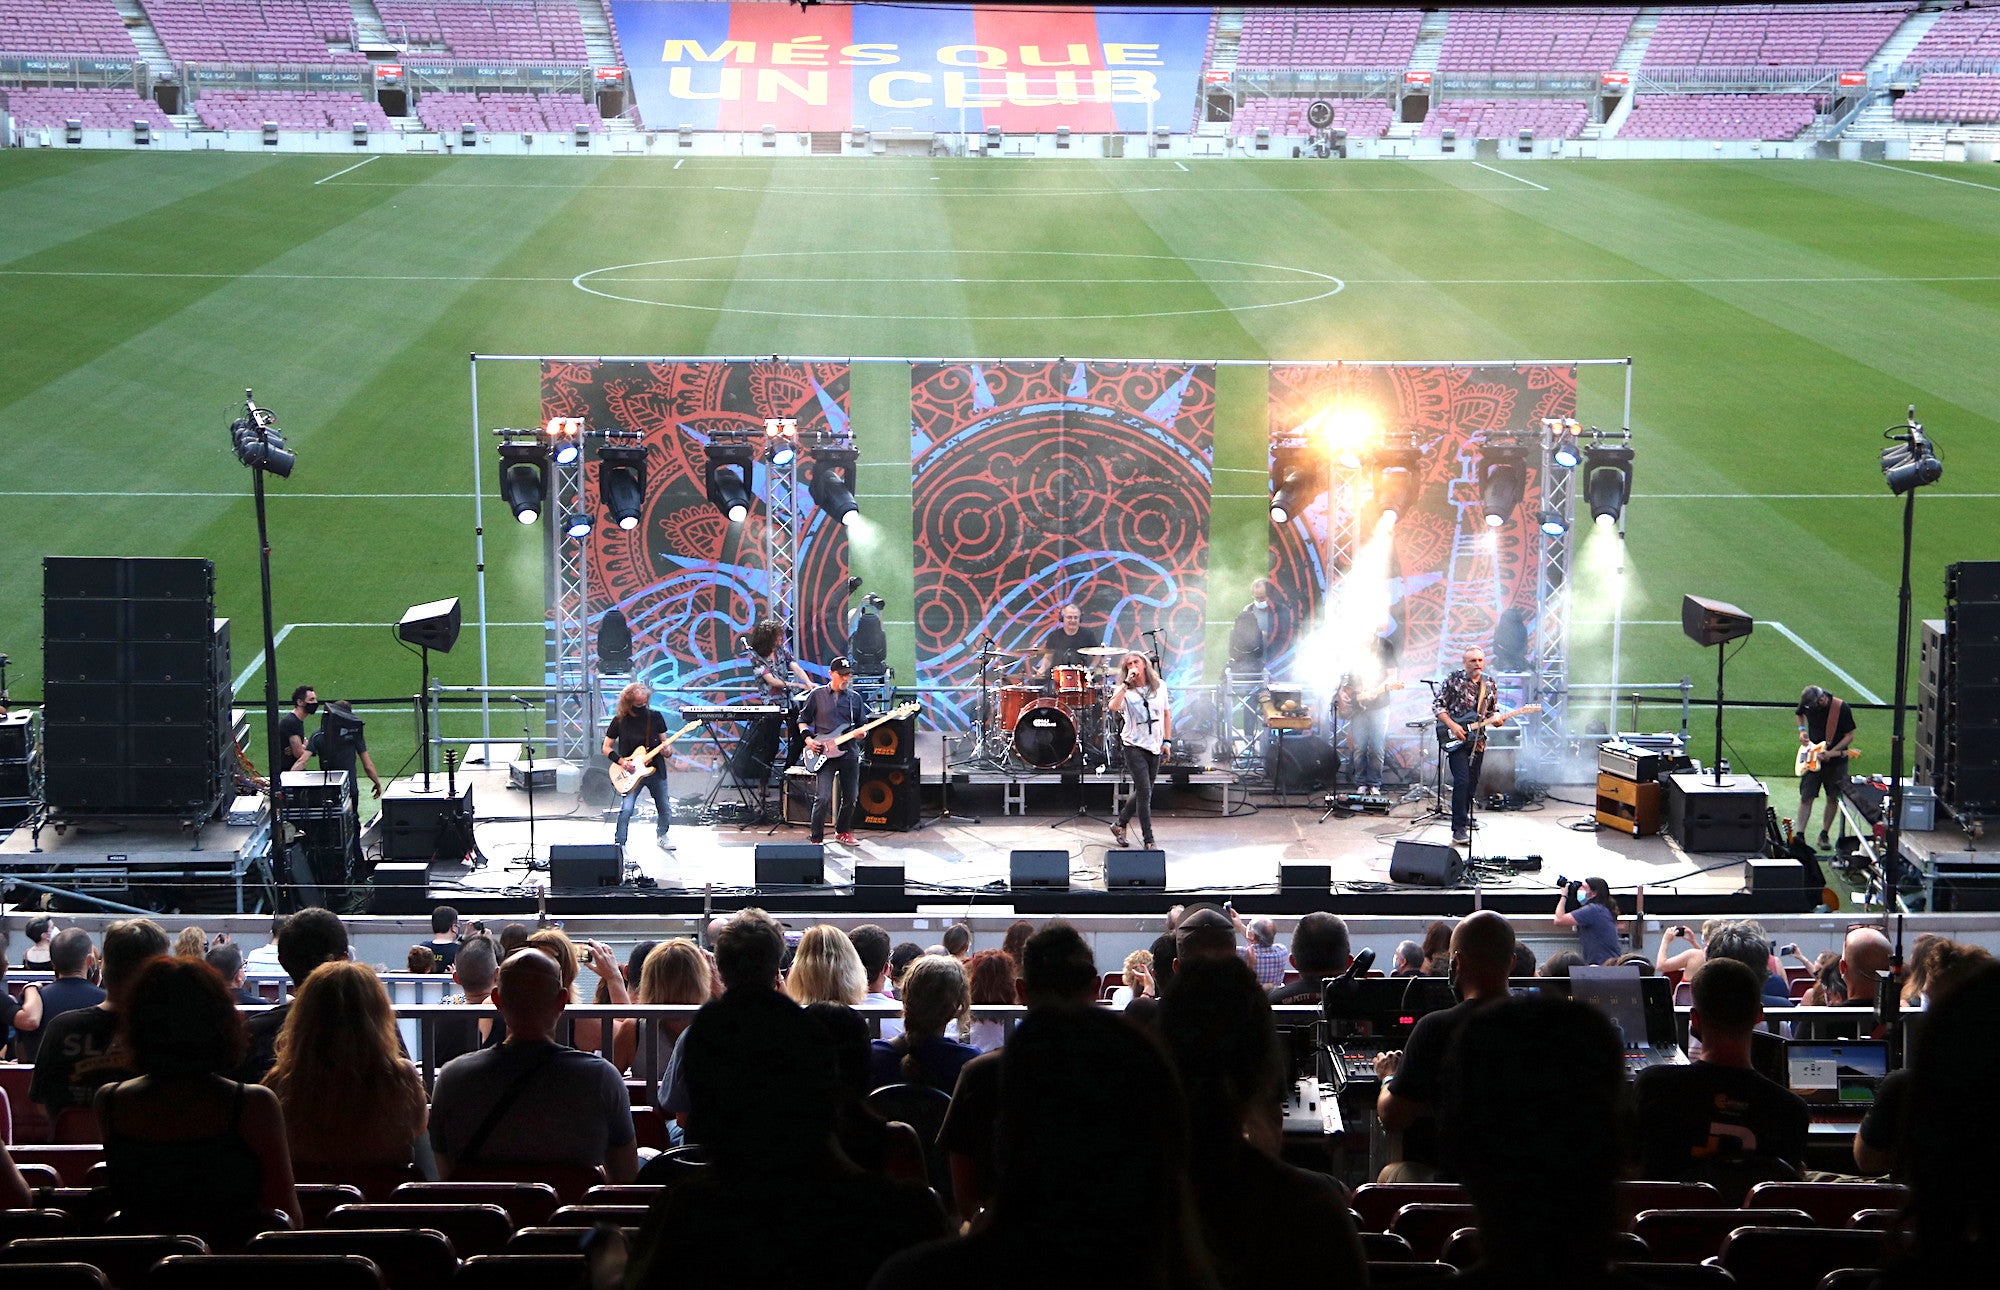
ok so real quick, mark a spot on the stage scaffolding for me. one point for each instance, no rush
(572, 702)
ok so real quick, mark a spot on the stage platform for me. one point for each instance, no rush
(1236, 854)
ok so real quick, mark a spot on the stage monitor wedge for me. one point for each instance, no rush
(1127, 869)
(790, 864)
(1711, 622)
(432, 626)
(1425, 864)
(1039, 870)
(595, 865)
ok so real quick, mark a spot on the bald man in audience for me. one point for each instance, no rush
(563, 1107)
(1865, 952)
(1413, 1080)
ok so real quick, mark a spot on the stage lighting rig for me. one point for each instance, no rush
(621, 477)
(1398, 471)
(1607, 474)
(576, 525)
(524, 477)
(1564, 451)
(831, 483)
(259, 443)
(1298, 474)
(1913, 461)
(564, 435)
(726, 477)
(1553, 524)
(781, 436)
(1503, 478)
(614, 643)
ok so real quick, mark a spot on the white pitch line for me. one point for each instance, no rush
(1184, 168)
(1823, 661)
(680, 163)
(1925, 174)
(277, 639)
(1516, 178)
(338, 173)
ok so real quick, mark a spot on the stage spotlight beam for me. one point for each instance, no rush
(524, 479)
(621, 482)
(1398, 477)
(1298, 474)
(831, 483)
(1503, 479)
(726, 477)
(1607, 479)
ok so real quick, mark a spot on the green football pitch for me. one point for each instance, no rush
(1779, 314)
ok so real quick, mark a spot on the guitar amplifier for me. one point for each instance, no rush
(1623, 761)
(800, 791)
(410, 818)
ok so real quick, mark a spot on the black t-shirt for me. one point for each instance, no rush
(64, 994)
(827, 712)
(79, 1054)
(263, 1050)
(973, 1118)
(446, 951)
(1697, 1117)
(1066, 650)
(642, 730)
(1886, 1126)
(1421, 1077)
(290, 726)
(1815, 723)
(341, 753)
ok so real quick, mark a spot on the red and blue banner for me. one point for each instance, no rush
(723, 66)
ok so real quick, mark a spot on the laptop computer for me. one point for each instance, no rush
(1837, 1079)
(1640, 1008)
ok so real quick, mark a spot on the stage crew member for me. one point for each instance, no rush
(635, 726)
(1141, 702)
(1254, 636)
(1825, 720)
(292, 731)
(1064, 646)
(1367, 694)
(1466, 696)
(831, 710)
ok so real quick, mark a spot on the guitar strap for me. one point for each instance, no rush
(1832, 719)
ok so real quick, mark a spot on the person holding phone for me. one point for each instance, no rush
(1141, 700)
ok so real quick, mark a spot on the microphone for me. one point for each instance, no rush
(518, 699)
(853, 583)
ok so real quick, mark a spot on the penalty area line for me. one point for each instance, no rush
(1516, 178)
(338, 173)
(1925, 174)
(1823, 661)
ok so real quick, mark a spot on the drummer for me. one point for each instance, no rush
(1065, 645)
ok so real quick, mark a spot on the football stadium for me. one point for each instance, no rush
(1228, 472)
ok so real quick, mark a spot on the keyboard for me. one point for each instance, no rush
(1356, 1056)
(730, 711)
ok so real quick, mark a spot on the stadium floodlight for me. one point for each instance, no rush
(1503, 478)
(1398, 471)
(1564, 452)
(577, 525)
(1553, 524)
(565, 439)
(1298, 474)
(783, 436)
(832, 483)
(726, 477)
(621, 481)
(1607, 476)
(524, 479)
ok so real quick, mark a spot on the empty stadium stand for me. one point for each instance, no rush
(1361, 118)
(255, 31)
(1943, 96)
(512, 112)
(1327, 38)
(1958, 36)
(1506, 118)
(498, 29)
(50, 109)
(1534, 40)
(1717, 39)
(288, 110)
(71, 27)
(1719, 116)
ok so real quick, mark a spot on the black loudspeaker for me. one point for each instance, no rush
(169, 746)
(81, 703)
(16, 735)
(103, 662)
(1043, 870)
(411, 821)
(1142, 869)
(1307, 761)
(82, 577)
(83, 620)
(1973, 581)
(1425, 864)
(400, 887)
(1305, 877)
(892, 741)
(790, 864)
(172, 662)
(171, 705)
(13, 780)
(1711, 622)
(1703, 816)
(878, 879)
(170, 579)
(192, 621)
(890, 797)
(597, 865)
(433, 626)
(596, 789)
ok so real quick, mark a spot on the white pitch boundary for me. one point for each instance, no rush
(1516, 178)
(1925, 174)
(1825, 662)
(256, 663)
(338, 173)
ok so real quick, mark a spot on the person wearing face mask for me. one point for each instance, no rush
(1141, 702)
(292, 729)
(1254, 636)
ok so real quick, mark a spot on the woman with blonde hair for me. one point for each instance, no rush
(586, 1033)
(675, 971)
(1140, 702)
(351, 1098)
(936, 1000)
(192, 943)
(826, 969)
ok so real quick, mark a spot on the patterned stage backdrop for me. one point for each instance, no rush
(1038, 483)
(1448, 578)
(687, 580)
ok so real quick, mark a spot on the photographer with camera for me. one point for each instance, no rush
(1594, 917)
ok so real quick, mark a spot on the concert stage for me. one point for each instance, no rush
(1237, 856)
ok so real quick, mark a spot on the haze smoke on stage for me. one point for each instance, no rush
(1342, 643)
(1604, 587)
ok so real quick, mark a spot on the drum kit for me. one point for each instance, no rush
(1046, 727)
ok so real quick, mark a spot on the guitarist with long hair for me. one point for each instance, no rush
(637, 726)
(824, 714)
(1467, 696)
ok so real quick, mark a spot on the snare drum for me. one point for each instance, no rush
(1072, 686)
(1012, 699)
(1045, 735)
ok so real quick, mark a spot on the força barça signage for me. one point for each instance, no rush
(745, 66)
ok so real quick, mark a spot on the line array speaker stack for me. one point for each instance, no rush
(136, 668)
(17, 748)
(1967, 728)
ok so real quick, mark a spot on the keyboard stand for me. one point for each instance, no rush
(726, 778)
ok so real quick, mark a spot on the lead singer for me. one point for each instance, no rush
(1141, 702)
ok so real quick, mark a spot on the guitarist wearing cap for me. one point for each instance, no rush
(824, 714)
(636, 727)
(1467, 696)
(1826, 737)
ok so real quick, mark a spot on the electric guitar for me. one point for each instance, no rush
(1473, 729)
(1367, 698)
(812, 759)
(1810, 755)
(642, 761)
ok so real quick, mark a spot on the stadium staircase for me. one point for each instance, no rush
(145, 39)
(1633, 51)
(597, 41)
(1430, 41)
(1877, 120)
(1228, 39)
(369, 29)
(1897, 48)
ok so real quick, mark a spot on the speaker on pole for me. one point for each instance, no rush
(1424, 864)
(1711, 622)
(432, 625)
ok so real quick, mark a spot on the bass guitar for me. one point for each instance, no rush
(812, 759)
(1810, 755)
(1474, 727)
(642, 760)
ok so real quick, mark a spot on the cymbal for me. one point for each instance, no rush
(1005, 653)
(1104, 651)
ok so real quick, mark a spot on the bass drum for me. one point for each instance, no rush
(1045, 735)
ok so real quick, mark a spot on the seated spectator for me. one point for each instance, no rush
(1559, 963)
(871, 944)
(586, 1033)
(1437, 948)
(227, 960)
(82, 1049)
(1717, 1120)
(1685, 961)
(935, 1000)
(264, 959)
(474, 968)
(1524, 961)
(1746, 941)
(191, 943)
(188, 1149)
(879, 1146)
(41, 930)
(825, 969)
(1534, 1122)
(74, 963)
(990, 977)
(512, 937)
(749, 949)
(1018, 933)
(307, 939)
(1218, 1028)
(530, 1100)
(1204, 932)
(1917, 969)
(1416, 1080)
(900, 959)
(420, 960)
(1093, 1183)
(1137, 975)
(1639, 961)
(1320, 949)
(635, 965)
(1591, 909)
(350, 1096)
(1267, 958)
(957, 941)
(676, 971)
(1409, 960)
(778, 1203)
(1882, 1143)
(1829, 988)
(443, 944)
